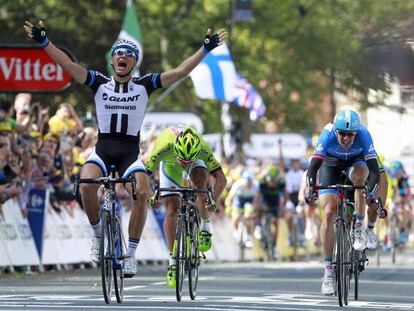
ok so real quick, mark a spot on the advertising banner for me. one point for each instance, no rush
(31, 69)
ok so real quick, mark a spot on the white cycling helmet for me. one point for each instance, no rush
(125, 44)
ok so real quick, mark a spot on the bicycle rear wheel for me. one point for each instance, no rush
(180, 257)
(106, 252)
(194, 260)
(119, 250)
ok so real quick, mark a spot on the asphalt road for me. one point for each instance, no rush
(226, 286)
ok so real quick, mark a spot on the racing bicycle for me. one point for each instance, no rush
(112, 245)
(185, 249)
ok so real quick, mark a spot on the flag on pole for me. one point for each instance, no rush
(130, 31)
(246, 96)
(215, 76)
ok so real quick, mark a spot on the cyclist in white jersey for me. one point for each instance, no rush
(120, 107)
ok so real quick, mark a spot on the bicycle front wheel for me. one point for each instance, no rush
(340, 273)
(119, 250)
(194, 261)
(106, 252)
(180, 257)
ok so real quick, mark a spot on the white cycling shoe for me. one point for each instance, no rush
(371, 239)
(96, 242)
(360, 242)
(328, 285)
(129, 268)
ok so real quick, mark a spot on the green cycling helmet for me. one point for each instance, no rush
(273, 171)
(187, 145)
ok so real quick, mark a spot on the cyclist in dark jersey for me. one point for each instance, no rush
(272, 187)
(120, 107)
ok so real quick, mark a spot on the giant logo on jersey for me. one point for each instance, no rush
(113, 98)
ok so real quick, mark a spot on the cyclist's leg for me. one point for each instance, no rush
(132, 164)
(329, 174)
(170, 176)
(358, 175)
(199, 178)
(381, 193)
(93, 168)
(89, 192)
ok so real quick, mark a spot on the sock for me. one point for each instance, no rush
(359, 222)
(96, 227)
(171, 260)
(205, 224)
(328, 266)
(371, 225)
(132, 247)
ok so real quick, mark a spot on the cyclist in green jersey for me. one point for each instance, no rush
(182, 151)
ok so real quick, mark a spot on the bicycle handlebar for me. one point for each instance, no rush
(181, 190)
(341, 187)
(106, 181)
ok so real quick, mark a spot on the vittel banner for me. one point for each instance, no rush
(31, 69)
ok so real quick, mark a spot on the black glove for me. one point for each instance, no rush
(210, 42)
(39, 35)
(309, 195)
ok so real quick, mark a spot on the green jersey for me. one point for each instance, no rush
(164, 151)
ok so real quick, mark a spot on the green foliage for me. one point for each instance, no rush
(288, 53)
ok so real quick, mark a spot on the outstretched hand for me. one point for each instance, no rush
(213, 41)
(37, 34)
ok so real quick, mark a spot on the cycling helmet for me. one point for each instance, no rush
(396, 166)
(247, 176)
(187, 145)
(347, 121)
(125, 44)
(273, 171)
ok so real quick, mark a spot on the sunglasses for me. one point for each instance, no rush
(185, 162)
(124, 52)
(350, 134)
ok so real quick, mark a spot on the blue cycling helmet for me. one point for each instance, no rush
(347, 121)
(125, 44)
(396, 166)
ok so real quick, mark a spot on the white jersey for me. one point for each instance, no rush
(241, 190)
(120, 107)
(293, 180)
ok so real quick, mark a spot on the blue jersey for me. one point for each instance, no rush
(328, 144)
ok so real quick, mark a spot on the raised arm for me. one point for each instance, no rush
(77, 72)
(210, 42)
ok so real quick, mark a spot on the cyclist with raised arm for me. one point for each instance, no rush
(120, 108)
(346, 145)
(181, 150)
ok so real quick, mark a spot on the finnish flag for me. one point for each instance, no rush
(215, 77)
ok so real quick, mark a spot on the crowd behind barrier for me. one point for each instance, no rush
(43, 223)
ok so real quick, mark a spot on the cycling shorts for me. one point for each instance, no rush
(123, 154)
(331, 169)
(173, 175)
(243, 205)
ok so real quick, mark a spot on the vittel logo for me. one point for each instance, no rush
(19, 69)
(30, 68)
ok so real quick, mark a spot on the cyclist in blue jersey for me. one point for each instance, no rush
(345, 145)
(120, 102)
